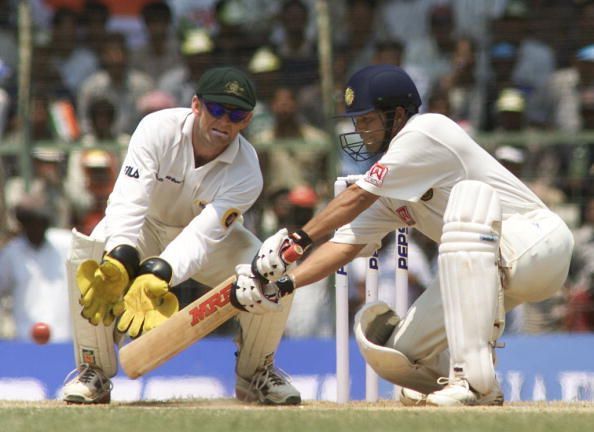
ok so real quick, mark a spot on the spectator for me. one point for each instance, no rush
(48, 175)
(296, 50)
(405, 20)
(93, 23)
(580, 302)
(266, 68)
(361, 35)
(439, 103)
(434, 50)
(161, 52)
(97, 158)
(180, 81)
(291, 39)
(72, 63)
(535, 59)
(391, 52)
(510, 107)
(294, 152)
(276, 212)
(233, 43)
(8, 63)
(116, 81)
(503, 56)
(466, 92)
(308, 316)
(100, 169)
(32, 267)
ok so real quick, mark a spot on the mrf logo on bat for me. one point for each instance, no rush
(376, 174)
(210, 305)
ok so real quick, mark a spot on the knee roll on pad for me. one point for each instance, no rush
(388, 363)
(92, 344)
(469, 280)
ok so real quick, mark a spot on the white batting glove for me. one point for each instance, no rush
(269, 262)
(249, 294)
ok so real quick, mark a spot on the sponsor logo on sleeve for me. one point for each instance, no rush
(131, 172)
(405, 216)
(376, 174)
(230, 216)
(427, 195)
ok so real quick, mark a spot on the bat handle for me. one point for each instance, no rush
(292, 253)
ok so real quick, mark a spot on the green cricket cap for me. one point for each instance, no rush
(227, 85)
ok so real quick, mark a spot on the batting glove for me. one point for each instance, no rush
(250, 294)
(269, 262)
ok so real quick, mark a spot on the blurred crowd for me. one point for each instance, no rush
(518, 70)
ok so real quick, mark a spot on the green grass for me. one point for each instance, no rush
(202, 416)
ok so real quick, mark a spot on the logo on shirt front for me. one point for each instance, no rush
(376, 174)
(131, 172)
(405, 216)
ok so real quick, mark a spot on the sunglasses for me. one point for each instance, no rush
(217, 111)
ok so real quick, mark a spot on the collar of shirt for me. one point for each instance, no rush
(228, 155)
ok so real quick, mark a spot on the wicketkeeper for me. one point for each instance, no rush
(499, 245)
(175, 213)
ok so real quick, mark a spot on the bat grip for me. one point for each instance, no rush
(292, 253)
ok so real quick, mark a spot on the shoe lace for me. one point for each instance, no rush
(87, 374)
(445, 381)
(269, 375)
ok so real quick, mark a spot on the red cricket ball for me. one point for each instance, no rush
(40, 333)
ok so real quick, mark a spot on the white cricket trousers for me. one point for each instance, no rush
(536, 249)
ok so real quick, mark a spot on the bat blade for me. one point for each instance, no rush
(189, 325)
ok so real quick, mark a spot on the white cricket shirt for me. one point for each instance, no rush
(159, 182)
(415, 176)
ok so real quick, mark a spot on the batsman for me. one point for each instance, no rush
(499, 245)
(175, 213)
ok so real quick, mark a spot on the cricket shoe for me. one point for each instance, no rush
(458, 392)
(412, 398)
(268, 386)
(89, 386)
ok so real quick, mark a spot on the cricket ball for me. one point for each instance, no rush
(40, 333)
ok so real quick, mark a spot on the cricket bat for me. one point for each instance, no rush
(182, 329)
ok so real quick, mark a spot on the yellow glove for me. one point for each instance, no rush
(102, 285)
(148, 302)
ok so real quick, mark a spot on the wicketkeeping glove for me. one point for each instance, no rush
(148, 302)
(250, 294)
(269, 262)
(102, 284)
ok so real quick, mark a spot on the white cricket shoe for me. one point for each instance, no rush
(87, 387)
(457, 392)
(412, 398)
(269, 386)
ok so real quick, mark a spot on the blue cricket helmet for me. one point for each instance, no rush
(377, 87)
(380, 87)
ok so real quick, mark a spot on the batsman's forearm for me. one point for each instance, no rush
(340, 211)
(324, 261)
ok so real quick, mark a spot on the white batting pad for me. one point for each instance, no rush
(388, 363)
(92, 344)
(259, 337)
(469, 280)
